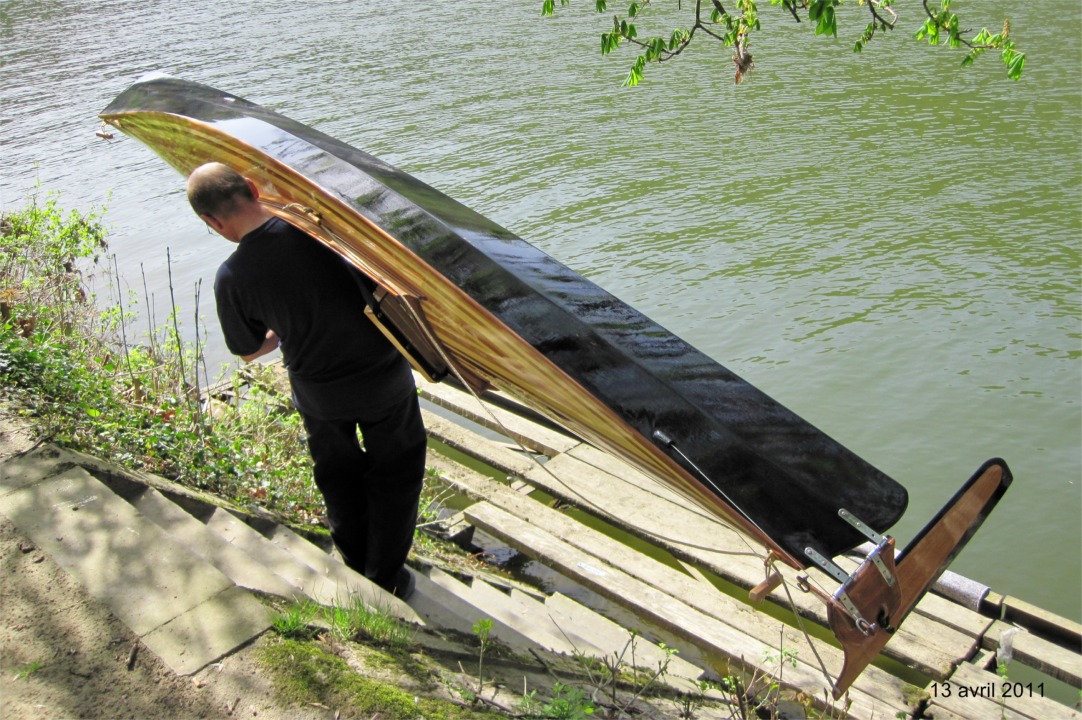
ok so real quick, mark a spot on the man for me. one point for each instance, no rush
(282, 288)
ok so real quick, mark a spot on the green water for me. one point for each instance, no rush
(888, 245)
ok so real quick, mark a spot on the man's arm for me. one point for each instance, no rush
(270, 344)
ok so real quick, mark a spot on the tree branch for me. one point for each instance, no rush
(738, 30)
(876, 17)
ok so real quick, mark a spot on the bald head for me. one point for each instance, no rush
(226, 201)
(217, 190)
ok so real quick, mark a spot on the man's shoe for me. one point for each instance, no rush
(404, 584)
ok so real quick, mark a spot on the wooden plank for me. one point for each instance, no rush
(1004, 694)
(938, 712)
(1038, 653)
(533, 436)
(705, 597)
(667, 612)
(969, 708)
(908, 648)
(496, 455)
(648, 510)
(952, 614)
(614, 640)
(933, 640)
(1047, 623)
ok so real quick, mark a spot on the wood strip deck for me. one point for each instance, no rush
(1036, 652)
(636, 504)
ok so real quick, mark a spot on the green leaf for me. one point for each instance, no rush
(635, 75)
(1015, 66)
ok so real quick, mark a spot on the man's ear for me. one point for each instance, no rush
(253, 188)
(214, 223)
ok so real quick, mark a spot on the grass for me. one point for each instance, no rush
(357, 622)
(306, 672)
(295, 622)
(28, 669)
(351, 621)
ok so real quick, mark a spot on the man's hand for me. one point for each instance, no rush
(270, 344)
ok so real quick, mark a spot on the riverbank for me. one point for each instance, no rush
(699, 609)
(66, 655)
(142, 406)
(73, 378)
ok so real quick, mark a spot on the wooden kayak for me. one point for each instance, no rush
(466, 296)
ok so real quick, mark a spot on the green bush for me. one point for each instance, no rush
(72, 366)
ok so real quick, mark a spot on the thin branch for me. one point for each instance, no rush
(791, 7)
(123, 322)
(874, 7)
(176, 327)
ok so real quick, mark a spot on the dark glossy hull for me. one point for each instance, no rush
(518, 319)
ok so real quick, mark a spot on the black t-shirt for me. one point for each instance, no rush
(340, 365)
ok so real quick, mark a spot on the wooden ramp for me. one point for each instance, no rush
(944, 650)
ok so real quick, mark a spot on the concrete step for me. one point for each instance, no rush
(183, 609)
(233, 562)
(339, 575)
(329, 584)
(171, 572)
(528, 616)
(462, 608)
(280, 562)
(613, 640)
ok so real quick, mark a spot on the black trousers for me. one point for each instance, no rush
(371, 493)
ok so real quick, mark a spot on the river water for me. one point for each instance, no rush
(885, 243)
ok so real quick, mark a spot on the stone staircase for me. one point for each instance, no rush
(185, 574)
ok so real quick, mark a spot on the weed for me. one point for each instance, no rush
(305, 673)
(760, 695)
(687, 703)
(607, 672)
(352, 621)
(28, 669)
(482, 629)
(71, 367)
(295, 621)
(567, 703)
(356, 621)
(76, 370)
